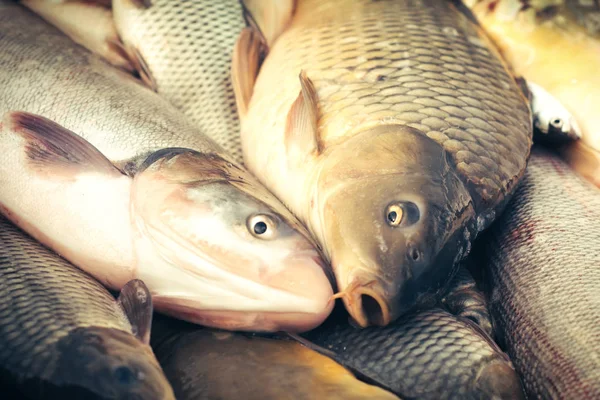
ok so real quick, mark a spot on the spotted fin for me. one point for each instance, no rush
(301, 132)
(136, 301)
(271, 17)
(248, 55)
(54, 150)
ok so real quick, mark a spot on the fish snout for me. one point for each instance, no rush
(498, 380)
(367, 302)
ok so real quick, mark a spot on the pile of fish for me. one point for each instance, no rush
(186, 188)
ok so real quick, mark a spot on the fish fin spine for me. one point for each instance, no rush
(136, 301)
(49, 144)
(248, 53)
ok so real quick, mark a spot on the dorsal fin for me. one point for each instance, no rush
(301, 132)
(136, 301)
(248, 55)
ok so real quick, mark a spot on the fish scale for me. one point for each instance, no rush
(429, 355)
(43, 300)
(544, 254)
(187, 49)
(363, 107)
(432, 56)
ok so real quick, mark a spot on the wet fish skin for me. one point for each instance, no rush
(211, 364)
(386, 89)
(544, 280)
(430, 354)
(62, 334)
(52, 92)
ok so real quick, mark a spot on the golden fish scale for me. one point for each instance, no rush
(418, 63)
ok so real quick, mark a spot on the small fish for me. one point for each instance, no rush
(394, 131)
(427, 355)
(112, 177)
(210, 364)
(556, 46)
(63, 335)
(544, 280)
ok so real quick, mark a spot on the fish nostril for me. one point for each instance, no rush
(414, 254)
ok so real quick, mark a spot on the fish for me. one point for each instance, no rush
(89, 24)
(184, 50)
(113, 178)
(428, 354)
(206, 363)
(543, 280)
(394, 131)
(63, 335)
(554, 45)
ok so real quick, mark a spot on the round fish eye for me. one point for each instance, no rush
(394, 215)
(557, 123)
(262, 226)
(401, 214)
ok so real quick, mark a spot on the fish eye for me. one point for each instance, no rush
(262, 226)
(125, 376)
(401, 214)
(557, 123)
(394, 215)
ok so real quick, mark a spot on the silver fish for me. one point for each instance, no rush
(91, 168)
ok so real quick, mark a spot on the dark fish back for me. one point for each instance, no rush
(544, 272)
(42, 299)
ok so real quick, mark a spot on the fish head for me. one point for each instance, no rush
(393, 216)
(109, 363)
(216, 248)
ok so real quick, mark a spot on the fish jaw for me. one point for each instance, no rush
(198, 253)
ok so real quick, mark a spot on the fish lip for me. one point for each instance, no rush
(368, 314)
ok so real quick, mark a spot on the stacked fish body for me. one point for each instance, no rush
(209, 364)
(544, 258)
(394, 131)
(529, 35)
(113, 178)
(63, 335)
(428, 355)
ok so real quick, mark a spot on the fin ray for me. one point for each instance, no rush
(248, 54)
(136, 301)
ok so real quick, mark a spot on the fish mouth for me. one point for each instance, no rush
(365, 302)
(499, 380)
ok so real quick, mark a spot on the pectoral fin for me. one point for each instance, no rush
(136, 301)
(248, 54)
(301, 132)
(54, 150)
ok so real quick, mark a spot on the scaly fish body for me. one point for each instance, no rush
(404, 136)
(545, 280)
(185, 49)
(212, 243)
(62, 333)
(428, 355)
(210, 364)
(556, 45)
